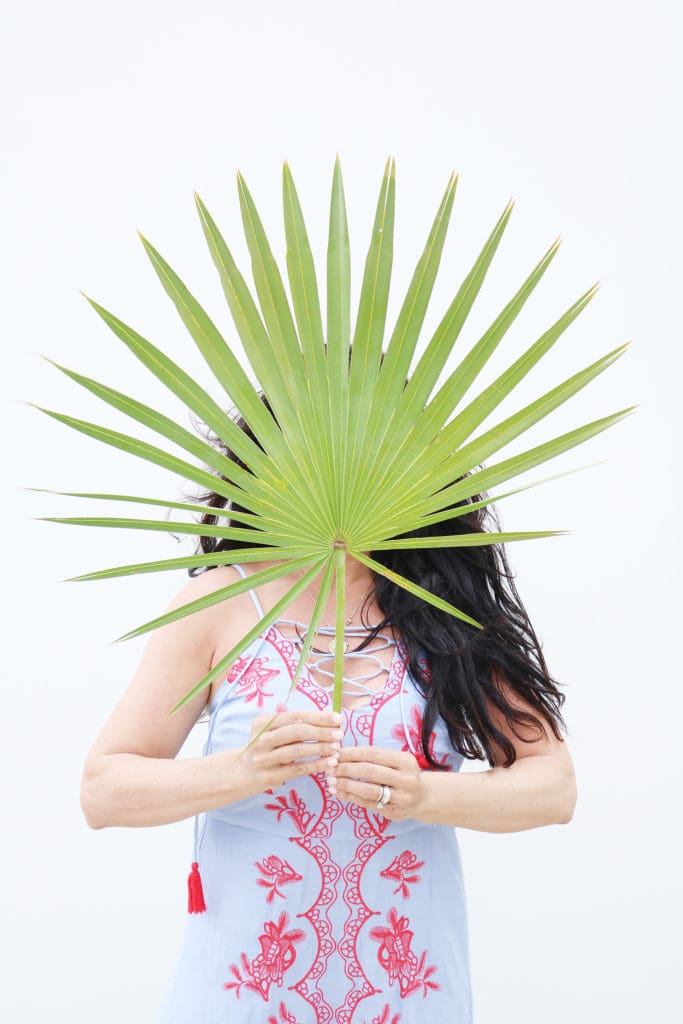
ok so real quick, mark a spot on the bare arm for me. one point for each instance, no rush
(135, 790)
(131, 776)
(538, 789)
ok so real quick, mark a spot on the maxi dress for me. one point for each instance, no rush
(319, 911)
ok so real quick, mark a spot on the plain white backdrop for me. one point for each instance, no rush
(111, 117)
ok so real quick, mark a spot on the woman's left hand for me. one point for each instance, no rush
(375, 767)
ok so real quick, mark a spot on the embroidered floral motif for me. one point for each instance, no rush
(277, 956)
(384, 1017)
(236, 668)
(380, 821)
(296, 809)
(275, 872)
(398, 959)
(283, 1016)
(402, 869)
(414, 732)
(252, 684)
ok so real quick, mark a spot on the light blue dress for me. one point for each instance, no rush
(319, 911)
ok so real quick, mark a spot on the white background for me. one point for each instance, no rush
(112, 116)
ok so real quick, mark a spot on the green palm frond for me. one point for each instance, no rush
(360, 449)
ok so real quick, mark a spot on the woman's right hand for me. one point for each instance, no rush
(276, 756)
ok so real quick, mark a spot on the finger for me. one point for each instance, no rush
(368, 772)
(365, 793)
(303, 732)
(305, 752)
(296, 769)
(304, 716)
(377, 755)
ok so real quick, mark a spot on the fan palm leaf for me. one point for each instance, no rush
(358, 451)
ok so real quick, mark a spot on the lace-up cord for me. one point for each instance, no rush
(320, 657)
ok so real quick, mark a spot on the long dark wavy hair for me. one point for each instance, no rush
(463, 664)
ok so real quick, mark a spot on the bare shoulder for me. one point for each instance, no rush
(527, 740)
(203, 585)
(207, 582)
(225, 618)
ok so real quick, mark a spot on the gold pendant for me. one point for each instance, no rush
(332, 646)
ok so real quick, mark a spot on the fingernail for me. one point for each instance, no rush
(337, 718)
(332, 761)
(338, 734)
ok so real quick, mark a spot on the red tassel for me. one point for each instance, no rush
(195, 893)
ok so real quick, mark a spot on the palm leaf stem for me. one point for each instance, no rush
(316, 618)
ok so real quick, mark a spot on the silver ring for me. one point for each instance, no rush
(385, 796)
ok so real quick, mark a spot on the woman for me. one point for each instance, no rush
(331, 887)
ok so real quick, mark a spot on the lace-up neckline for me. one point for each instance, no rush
(323, 661)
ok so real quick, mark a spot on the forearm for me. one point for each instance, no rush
(532, 792)
(133, 790)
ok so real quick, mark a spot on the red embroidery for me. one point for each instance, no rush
(275, 872)
(370, 839)
(398, 959)
(283, 1016)
(253, 682)
(313, 837)
(312, 833)
(402, 870)
(370, 830)
(297, 810)
(277, 956)
(306, 684)
(365, 722)
(414, 732)
(383, 1017)
(380, 822)
(236, 668)
(318, 914)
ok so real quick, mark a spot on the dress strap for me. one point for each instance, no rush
(257, 603)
